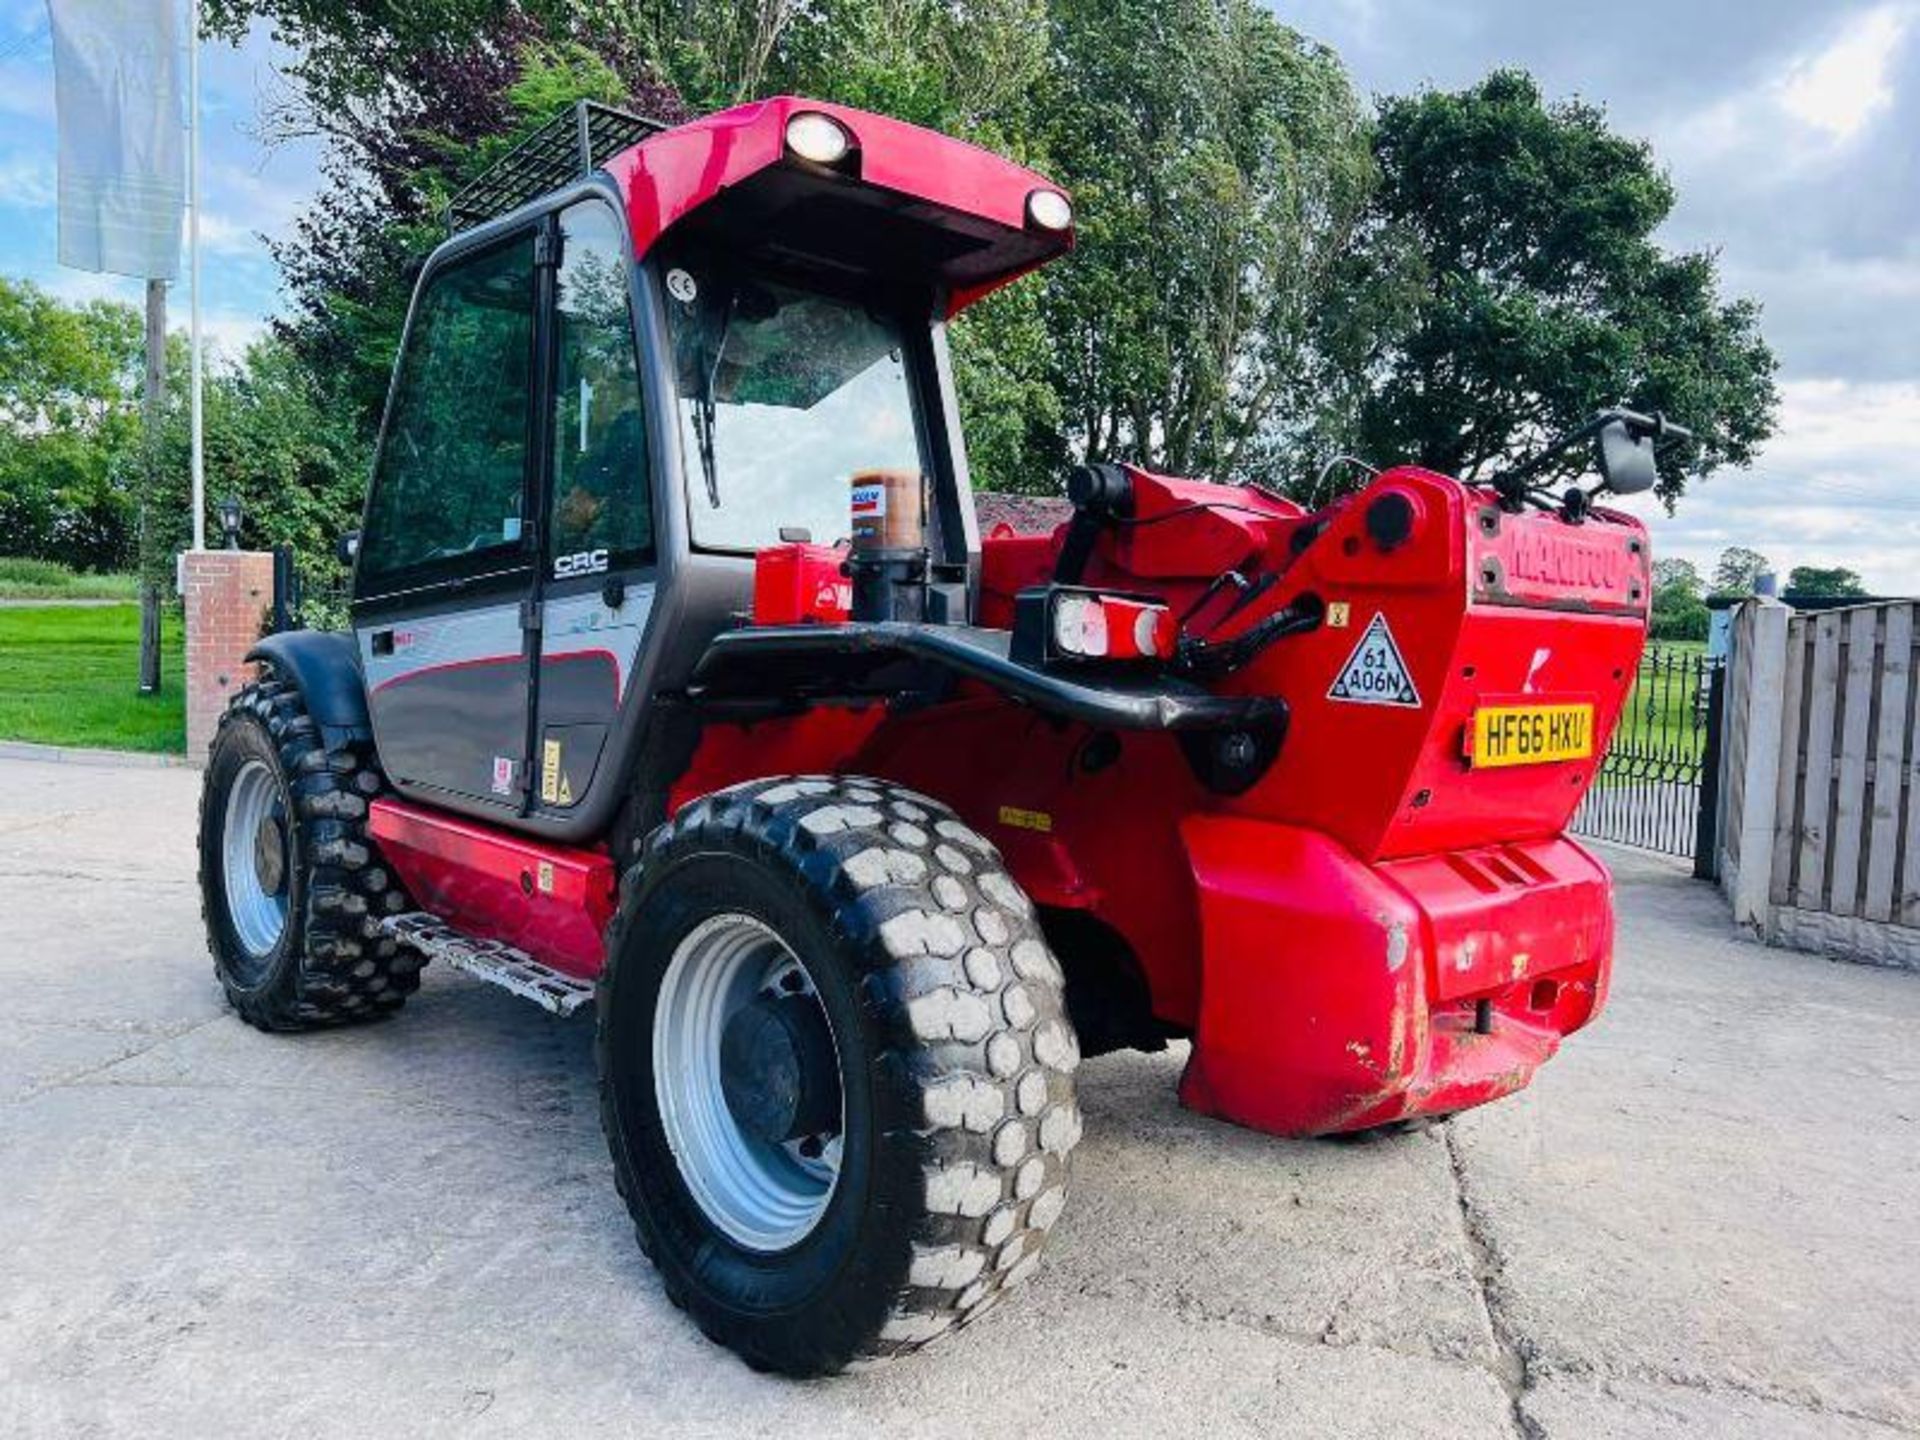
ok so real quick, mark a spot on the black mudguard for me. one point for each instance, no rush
(325, 666)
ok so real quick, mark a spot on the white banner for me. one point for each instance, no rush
(117, 85)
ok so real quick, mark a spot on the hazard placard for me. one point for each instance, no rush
(1375, 673)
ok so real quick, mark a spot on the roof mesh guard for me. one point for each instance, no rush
(573, 144)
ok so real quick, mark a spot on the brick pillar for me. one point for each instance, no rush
(228, 594)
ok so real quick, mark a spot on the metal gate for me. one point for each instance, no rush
(303, 600)
(1649, 790)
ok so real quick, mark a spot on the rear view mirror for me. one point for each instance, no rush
(1627, 464)
(348, 547)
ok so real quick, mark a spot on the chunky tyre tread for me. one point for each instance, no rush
(977, 1054)
(342, 968)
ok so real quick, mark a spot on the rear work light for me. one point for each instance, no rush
(1049, 210)
(819, 138)
(1065, 623)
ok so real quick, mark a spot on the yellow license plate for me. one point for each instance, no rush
(1531, 734)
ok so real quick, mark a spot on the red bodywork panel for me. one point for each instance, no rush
(552, 901)
(1350, 994)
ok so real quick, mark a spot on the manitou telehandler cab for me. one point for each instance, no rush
(682, 680)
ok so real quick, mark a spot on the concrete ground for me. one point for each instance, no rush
(1701, 1220)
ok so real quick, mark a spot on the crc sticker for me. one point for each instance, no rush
(681, 286)
(502, 775)
(1374, 673)
(583, 562)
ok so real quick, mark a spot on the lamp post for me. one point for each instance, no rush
(231, 517)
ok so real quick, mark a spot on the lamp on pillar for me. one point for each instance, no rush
(231, 518)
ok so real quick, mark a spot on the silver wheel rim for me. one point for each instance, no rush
(253, 858)
(765, 1196)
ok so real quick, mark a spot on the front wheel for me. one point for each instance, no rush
(291, 885)
(836, 1070)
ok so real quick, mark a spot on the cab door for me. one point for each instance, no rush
(597, 587)
(447, 560)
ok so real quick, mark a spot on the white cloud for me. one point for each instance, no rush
(27, 181)
(1811, 110)
(269, 205)
(222, 236)
(228, 333)
(1838, 430)
(1844, 86)
(79, 287)
(1834, 487)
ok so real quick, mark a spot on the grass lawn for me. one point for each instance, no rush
(44, 580)
(69, 676)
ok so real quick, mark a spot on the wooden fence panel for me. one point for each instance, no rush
(1816, 751)
(1823, 775)
(1786, 812)
(1894, 725)
(1850, 768)
(1907, 904)
(1739, 685)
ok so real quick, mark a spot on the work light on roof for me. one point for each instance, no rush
(1049, 210)
(818, 138)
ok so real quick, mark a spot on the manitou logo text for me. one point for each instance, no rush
(1545, 558)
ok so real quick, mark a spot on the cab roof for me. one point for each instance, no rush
(904, 206)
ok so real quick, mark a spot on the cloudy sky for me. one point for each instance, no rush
(1791, 128)
(1792, 132)
(250, 189)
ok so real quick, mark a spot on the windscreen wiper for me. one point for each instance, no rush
(704, 417)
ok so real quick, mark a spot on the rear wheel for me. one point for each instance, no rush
(292, 888)
(836, 1071)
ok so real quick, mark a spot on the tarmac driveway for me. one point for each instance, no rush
(1701, 1220)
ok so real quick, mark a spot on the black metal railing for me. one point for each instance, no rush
(1650, 787)
(304, 599)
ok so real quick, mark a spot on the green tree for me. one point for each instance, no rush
(454, 104)
(1514, 287)
(69, 427)
(278, 440)
(1738, 570)
(415, 100)
(1678, 614)
(1219, 166)
(1827, 581)
(1677, 573)
(1679, 611)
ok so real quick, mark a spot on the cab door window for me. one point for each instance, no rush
(451, 479)
(602, 514)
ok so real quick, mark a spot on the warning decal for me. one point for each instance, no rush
(554, 789)
(1374, 673)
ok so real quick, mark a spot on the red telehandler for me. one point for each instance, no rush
(680, 679)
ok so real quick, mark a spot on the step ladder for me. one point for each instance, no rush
(490, 960)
